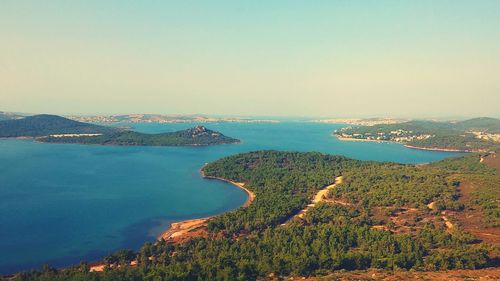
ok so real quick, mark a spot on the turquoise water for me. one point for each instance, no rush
(63, 203)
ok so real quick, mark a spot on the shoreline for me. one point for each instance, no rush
(361, 140)
(40, 139)
(408, 146)
(180, 228)
(241, 185)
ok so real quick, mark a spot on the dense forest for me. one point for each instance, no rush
(383, 215)
(57, 129)
(396, 185)
(476, 134)
(463, 142)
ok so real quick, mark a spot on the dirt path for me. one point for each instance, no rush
(472, 220)
(319, 197)
(491, 160)
(447, 222)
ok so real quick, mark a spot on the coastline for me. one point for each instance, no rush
(40, 139)
(407, 145)
(241, 185)
(178, 229)
(362, 140)
(183, 230)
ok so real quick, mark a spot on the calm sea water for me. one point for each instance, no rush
(63, 203)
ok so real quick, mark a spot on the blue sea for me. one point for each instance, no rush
(64, 203)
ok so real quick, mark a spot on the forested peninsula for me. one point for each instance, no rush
(388, 216)
(57, 129)
(473, 135)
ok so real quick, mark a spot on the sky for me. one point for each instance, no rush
(251, 58)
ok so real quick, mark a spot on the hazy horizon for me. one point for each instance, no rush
(272, 117)
(323, 59)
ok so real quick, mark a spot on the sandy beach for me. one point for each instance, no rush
(177, 229)
(181, 228)
(251, 195)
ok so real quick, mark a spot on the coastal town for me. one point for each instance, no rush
(362, 121)
(164, 119)
(395, 135)
(487, 136)
(480, 134)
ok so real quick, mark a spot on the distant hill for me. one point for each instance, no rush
(9, 116)
(197, 136)
(44, 124)
(485, 124)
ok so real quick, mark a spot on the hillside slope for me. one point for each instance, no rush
(44, 125)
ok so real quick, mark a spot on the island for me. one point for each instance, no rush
(319, 215)
(473, 135)
(57, 129)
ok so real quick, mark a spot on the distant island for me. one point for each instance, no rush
(473, 135)
(57, 129)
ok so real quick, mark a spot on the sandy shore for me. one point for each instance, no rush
(181, 228)
(251, 195)
(177, 229)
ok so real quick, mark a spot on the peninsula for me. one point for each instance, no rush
(386, 218)
(57, 129)
(473, 135)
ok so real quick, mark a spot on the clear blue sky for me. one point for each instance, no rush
(293, 58)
